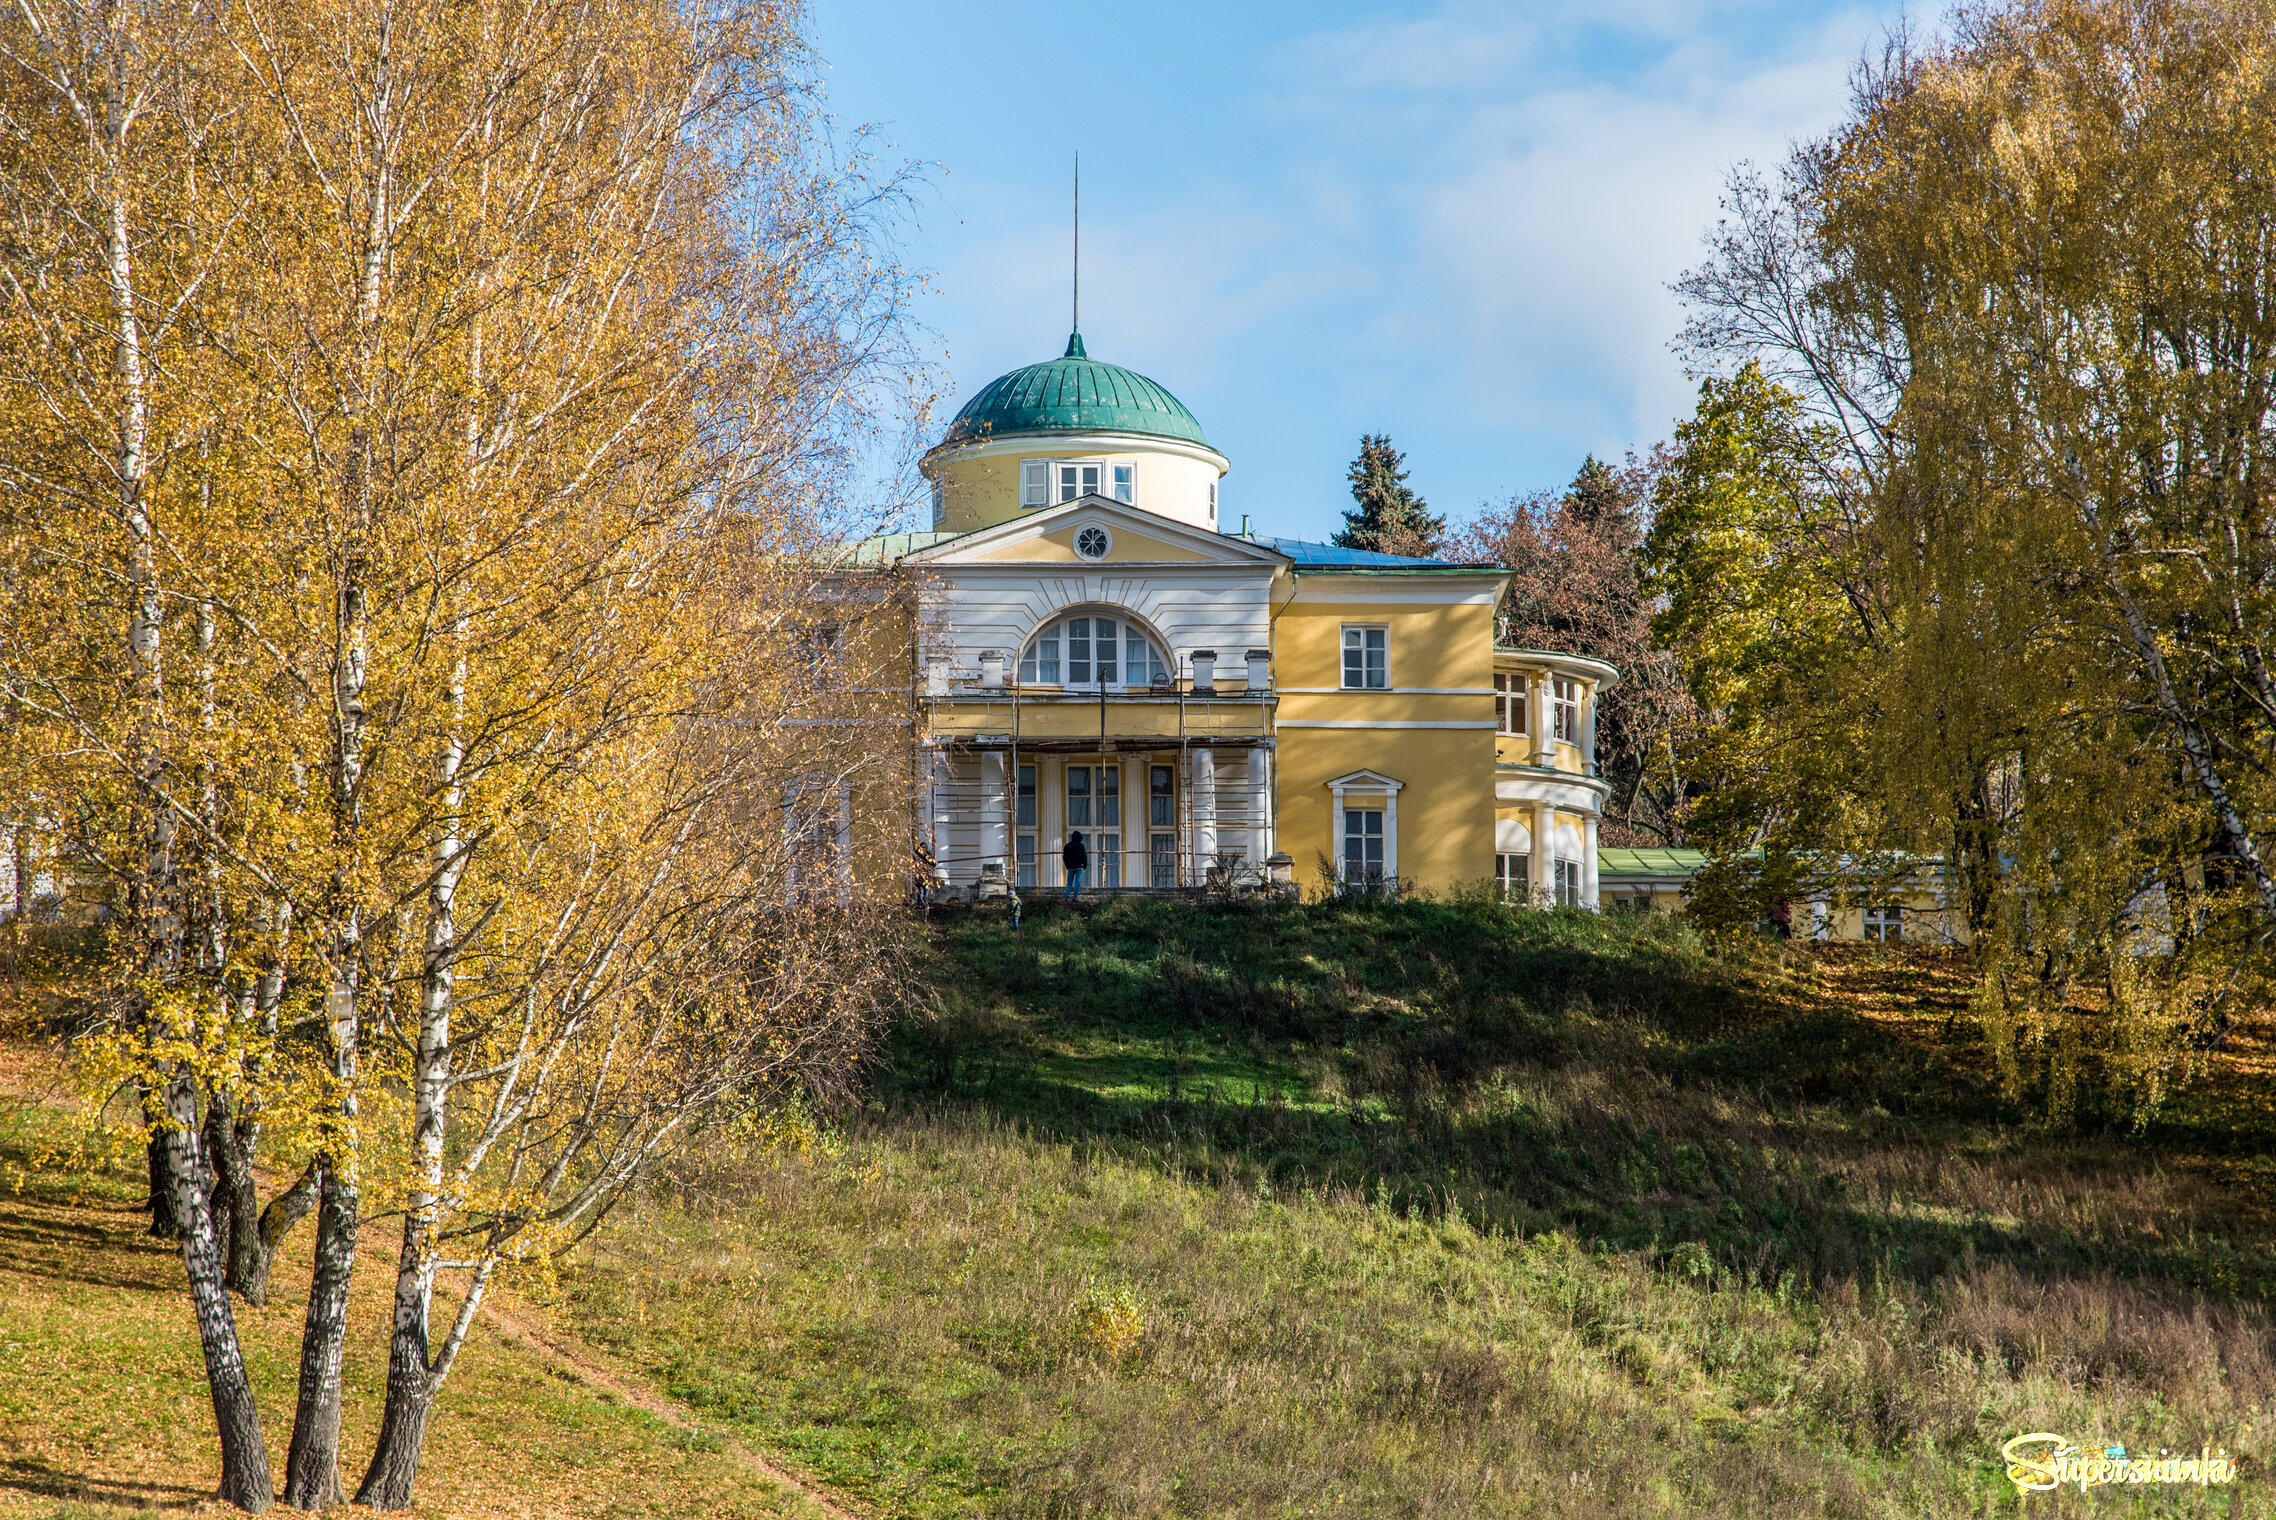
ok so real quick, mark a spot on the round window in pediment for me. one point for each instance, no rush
(1093, 541)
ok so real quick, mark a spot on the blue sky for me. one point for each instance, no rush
(1451, 222)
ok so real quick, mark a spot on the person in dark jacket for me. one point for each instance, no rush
(1077, 860)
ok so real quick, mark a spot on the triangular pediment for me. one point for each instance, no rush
(1364, 781)
(1055, 536)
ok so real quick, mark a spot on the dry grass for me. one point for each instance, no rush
(103, 1406)
(1615, 1229)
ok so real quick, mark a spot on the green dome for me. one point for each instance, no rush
(1074, 393)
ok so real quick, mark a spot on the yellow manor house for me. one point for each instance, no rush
(1098, 653)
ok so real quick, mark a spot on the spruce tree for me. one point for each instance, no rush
(1390, 518)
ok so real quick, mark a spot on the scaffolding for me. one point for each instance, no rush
(997, 787)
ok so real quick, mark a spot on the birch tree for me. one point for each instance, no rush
(107, 107)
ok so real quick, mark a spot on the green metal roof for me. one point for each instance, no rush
(1669, 865)
(885, 548)
(1074, 393)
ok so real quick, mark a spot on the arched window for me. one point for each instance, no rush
(1092, 651)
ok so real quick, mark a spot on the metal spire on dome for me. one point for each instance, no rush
(1075, 329)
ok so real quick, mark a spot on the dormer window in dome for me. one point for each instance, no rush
(1046, 482)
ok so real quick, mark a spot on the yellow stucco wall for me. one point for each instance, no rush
(980, 484)
(1429, 645)
(1058, 548)
(1445, 805)
(1444, 836)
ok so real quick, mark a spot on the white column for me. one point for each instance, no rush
(1260, 809)
(995, 811)
(1335, 831)
(1537, 716)
(1201, 779)
(1588, 861)
(1542, 876)
(1588, 739)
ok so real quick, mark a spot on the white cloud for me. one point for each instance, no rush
(1558, 174)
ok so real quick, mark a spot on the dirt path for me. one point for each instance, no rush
(519, 1324)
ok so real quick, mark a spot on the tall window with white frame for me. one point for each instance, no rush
(1035, 483)
(1161, 826)
(1363, 865)
(1366, 658)
(1509, 702)
(1568, 887)
(1885, 922)
(1094, 805)
(1513, 878)
(1565, 711)
(1125, 482)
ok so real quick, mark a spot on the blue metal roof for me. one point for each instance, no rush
(1330, 556)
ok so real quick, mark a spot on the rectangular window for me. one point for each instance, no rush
(1162, 860)
(1366, 659)
(1568, 883)
(824, 647)
(940, 503)
(1094, 803)
(1125, 482)
(1885, 923)
(1363, 847)
(1078, 479)
(1213, 503)
(1026, 862)
(1078, 651)
(1026, 814)
(1512, 877)
(1092, 654)
(1566, 711)
(1509, 703)
(1035, 482)
(1161, 797)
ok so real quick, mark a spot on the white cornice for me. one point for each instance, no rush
(1218, 548)
(1059, 445)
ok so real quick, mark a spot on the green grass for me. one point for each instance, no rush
(1437, 1209)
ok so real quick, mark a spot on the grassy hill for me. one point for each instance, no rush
(1435, 1209)
(1369, 1209)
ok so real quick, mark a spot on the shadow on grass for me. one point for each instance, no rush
(1615, 1077)
(42, 1480)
